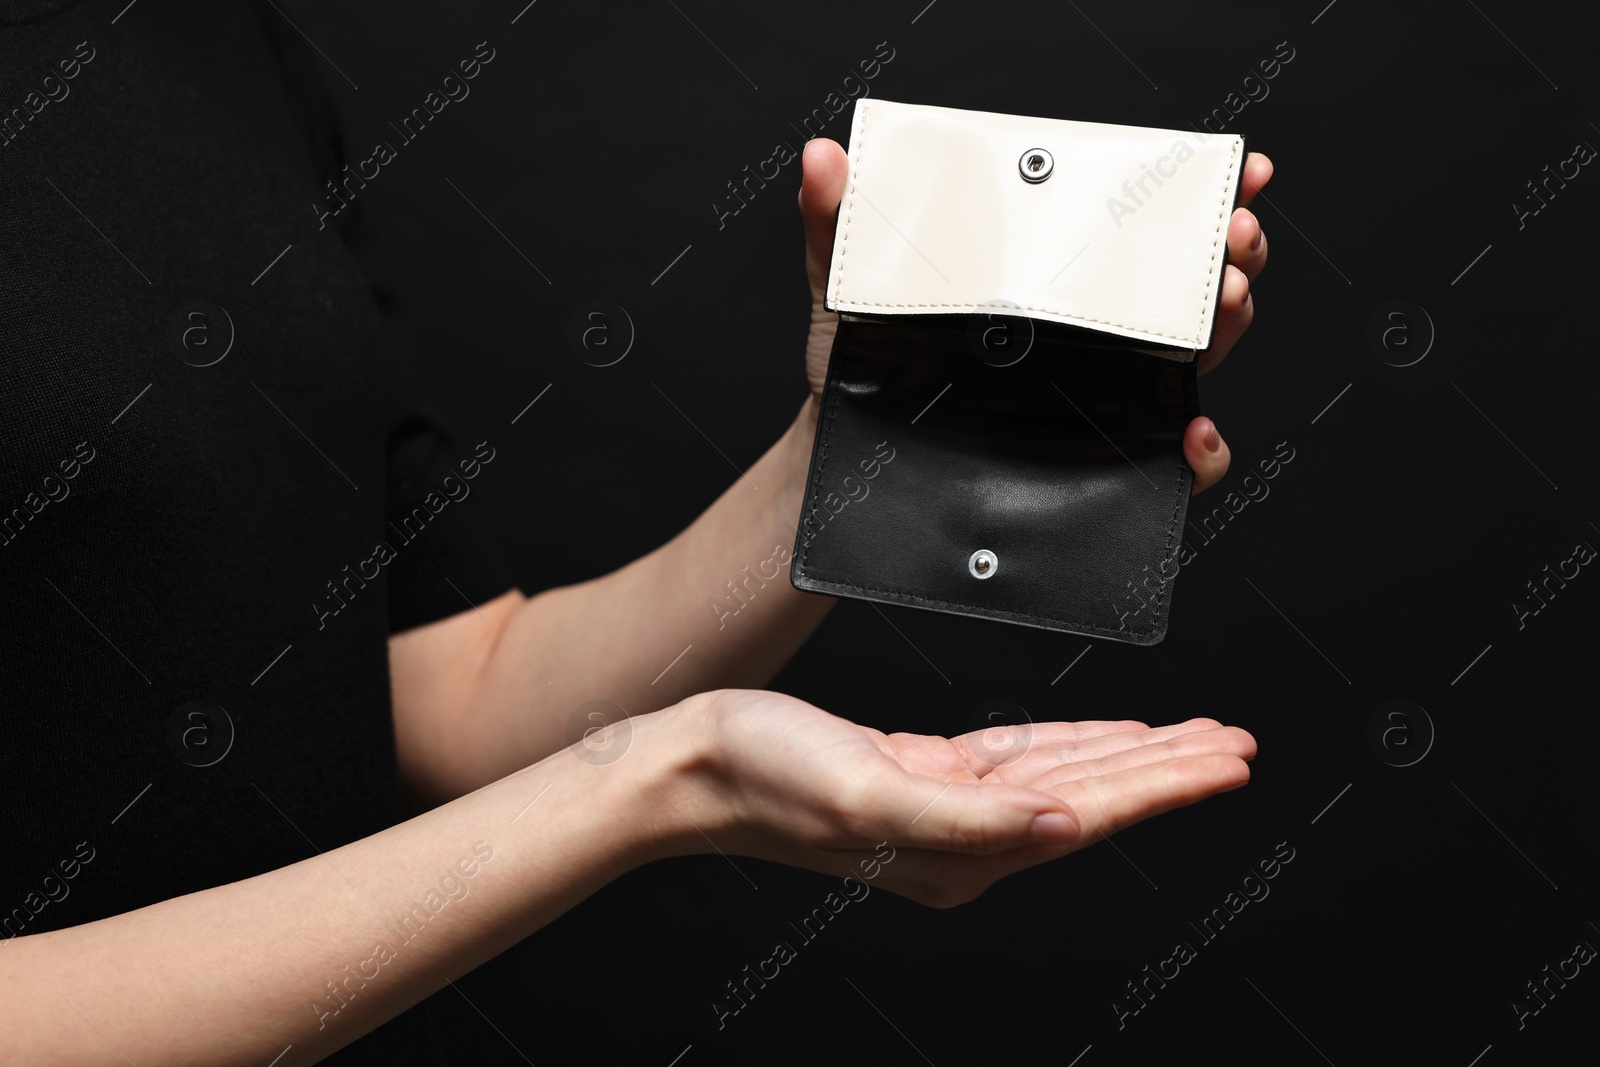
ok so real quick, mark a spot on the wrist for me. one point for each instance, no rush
(796, 449)
(806, 421)
(669, 790)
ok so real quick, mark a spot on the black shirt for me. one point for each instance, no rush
(205, 441)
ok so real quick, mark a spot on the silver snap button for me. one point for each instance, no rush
(983, 563)
(1036, 165)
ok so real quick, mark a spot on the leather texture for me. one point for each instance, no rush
(1062, 470)
(1126, 236)
(1067, 466)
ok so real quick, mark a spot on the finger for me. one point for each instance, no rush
(823, 168)
(971, 819)
(1056, 732)
(1207, 453)
(1257, 172)
(984, 749)
(947, 763)
(1226, 740)
(1093, 748)
(1035, 757)
(1006, 746)
(1102, 805)
(1107, 803)
(1235, 310)
(1247, 243)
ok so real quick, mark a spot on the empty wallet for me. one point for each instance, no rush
(1021, 303)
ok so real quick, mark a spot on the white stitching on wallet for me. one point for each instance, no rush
(858, 143)
(842, 303)
(849, 304)
(1205, 299)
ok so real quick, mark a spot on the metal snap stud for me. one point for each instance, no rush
(983, 563)
(1036, 165)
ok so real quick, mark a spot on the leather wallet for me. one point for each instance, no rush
(1021, 302)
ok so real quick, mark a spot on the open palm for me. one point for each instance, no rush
(813, 790)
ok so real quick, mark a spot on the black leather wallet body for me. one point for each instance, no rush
(1018, 460)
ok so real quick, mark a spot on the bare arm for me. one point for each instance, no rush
(489, 690)
(288, 966)
(318, 953)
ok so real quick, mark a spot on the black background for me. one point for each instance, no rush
(1382, 566)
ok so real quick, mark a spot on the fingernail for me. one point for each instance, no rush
(1213, 439)
(1052, 828)
(1255, 246)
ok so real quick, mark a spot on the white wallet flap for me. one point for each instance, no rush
(1125, 235)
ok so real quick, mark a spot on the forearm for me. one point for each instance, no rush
(712, 608)
(318, 953)
(722, 586)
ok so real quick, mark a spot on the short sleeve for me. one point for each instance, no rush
(443, 561)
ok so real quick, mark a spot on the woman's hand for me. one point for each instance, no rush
(785, 781)
(824, 172)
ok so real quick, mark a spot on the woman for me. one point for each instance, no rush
(205, 782)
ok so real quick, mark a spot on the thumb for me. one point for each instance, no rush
(973, 818)
(823, 170)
